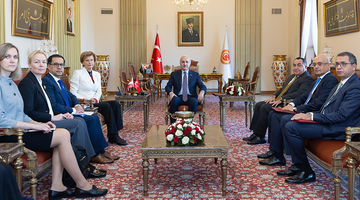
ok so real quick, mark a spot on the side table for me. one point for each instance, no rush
(12, 152)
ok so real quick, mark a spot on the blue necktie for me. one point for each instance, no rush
(64, 93)
(312, 91)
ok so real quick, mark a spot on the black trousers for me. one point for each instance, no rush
(8, 185)
(175, 102)
(111, 111)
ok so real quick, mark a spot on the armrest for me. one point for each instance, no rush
(350, 131)
(13, 131)
(84, 101)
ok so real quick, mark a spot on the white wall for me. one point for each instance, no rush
(339, 43)
(87, 30)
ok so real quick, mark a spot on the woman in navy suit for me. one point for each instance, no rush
(86, 83)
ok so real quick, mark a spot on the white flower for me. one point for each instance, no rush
(231, 92)
(170, 137)
(185, 140)
(179, 126)
(192, 126)
(199, 136)
(193, 132)
(178, 133)
(201, 131)
(185, 125)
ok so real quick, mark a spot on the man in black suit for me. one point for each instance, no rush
(312, 100)
(189, 34)
(294, 86)
(340, 110)
(181, 80)
(69, 22)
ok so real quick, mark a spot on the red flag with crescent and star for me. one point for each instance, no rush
(225, 67)
(156, 56)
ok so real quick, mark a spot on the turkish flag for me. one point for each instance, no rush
(156, 57)
(137, 86)
(130, 85)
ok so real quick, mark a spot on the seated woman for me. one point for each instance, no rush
(86, 84)
(46, 135)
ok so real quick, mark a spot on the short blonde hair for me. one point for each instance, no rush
(86, 54)
(4, 48)
(32, 54)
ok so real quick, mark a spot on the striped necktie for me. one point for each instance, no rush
(285, 89)
(184, 88)
(312, 91)
(332, 96)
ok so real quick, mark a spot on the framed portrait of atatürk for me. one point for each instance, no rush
(190, 29)
(70, 17)
(341, 16)
(32, 19)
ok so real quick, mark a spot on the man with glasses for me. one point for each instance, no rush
(311, 100)
(295, 85)
(340, 110)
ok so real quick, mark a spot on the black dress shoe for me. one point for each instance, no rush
(94, 192)
(266, 155)
(117, 140)
(251, 137)
(291, 171)
(273, 161)
(92, 168)
(68, 193)
(96, 174)
(257, 140)
(301, 178)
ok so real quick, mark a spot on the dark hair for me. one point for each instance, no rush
(54, 56)
(351, 56)
(303, 60)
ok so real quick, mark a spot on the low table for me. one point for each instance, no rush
(247, 98)
(215, 145)
(139, 98)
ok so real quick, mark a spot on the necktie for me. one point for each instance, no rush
(332, 96)
(191, 31)
(285, 89)
(184, 88)
(312, 91)
(64, 93)
(91, 77)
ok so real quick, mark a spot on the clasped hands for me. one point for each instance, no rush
(273, 102)
(200, 96)
(62, 116)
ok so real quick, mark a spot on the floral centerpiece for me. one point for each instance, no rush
(184, 132)
(235, 90)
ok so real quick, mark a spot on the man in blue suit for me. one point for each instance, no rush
(181, 88)
(312, 100)
(340, 110)
(63, 101)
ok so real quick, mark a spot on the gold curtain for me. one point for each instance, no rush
(69, 46)
(248, 35)
(2, 21)
(132, 33)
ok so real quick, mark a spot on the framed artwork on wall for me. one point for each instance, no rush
(146, 68)
(341, 16)
(32, 19)
(70, 17)
(190, 29)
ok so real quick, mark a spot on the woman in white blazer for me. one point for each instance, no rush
(86, 83)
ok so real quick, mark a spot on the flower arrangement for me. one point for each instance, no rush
(235, 90)
(184, 132)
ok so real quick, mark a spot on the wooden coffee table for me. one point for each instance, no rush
(215, 145)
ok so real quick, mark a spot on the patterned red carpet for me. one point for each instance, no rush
(199, 178)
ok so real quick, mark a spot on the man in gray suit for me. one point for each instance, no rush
(295, 85)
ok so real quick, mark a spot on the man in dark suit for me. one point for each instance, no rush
(69, 22)
(340, 110)
(294, 86)
(189, 34)
(312, 100)
(181, 88)
(60, 98)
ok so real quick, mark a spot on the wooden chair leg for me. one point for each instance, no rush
(33, 185)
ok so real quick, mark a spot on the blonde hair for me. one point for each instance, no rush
(86, 54)
(4, 48)
(32, 54)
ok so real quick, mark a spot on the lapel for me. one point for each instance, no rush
(85, 74)
(56, 85)
(37, 85)
(341, 90)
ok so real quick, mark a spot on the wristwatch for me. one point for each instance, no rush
(294, 109)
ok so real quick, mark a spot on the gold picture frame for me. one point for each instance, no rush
(193, 21)
(70, 17)
(32, 19)
(341, 16)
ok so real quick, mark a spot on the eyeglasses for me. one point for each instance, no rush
(318, 64)
(298, 65)
(58, 64)
(341, 64)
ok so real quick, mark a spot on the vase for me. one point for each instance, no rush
(279, 67)
(102, 65)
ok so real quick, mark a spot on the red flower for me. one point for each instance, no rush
(188, 128)
(173, 130)
(197, 129)
(194, 138)
(200, 134)
(167, 133)
(186, 132)
(176, 139)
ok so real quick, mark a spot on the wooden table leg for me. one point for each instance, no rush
(18, 167)
(145, 165)
(351, 162)
(122, 104)
(224, 164)
(222, 114)
(146, 114)
(246, 113)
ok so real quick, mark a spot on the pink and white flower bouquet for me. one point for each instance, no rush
(184, 132)
(235, 90)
